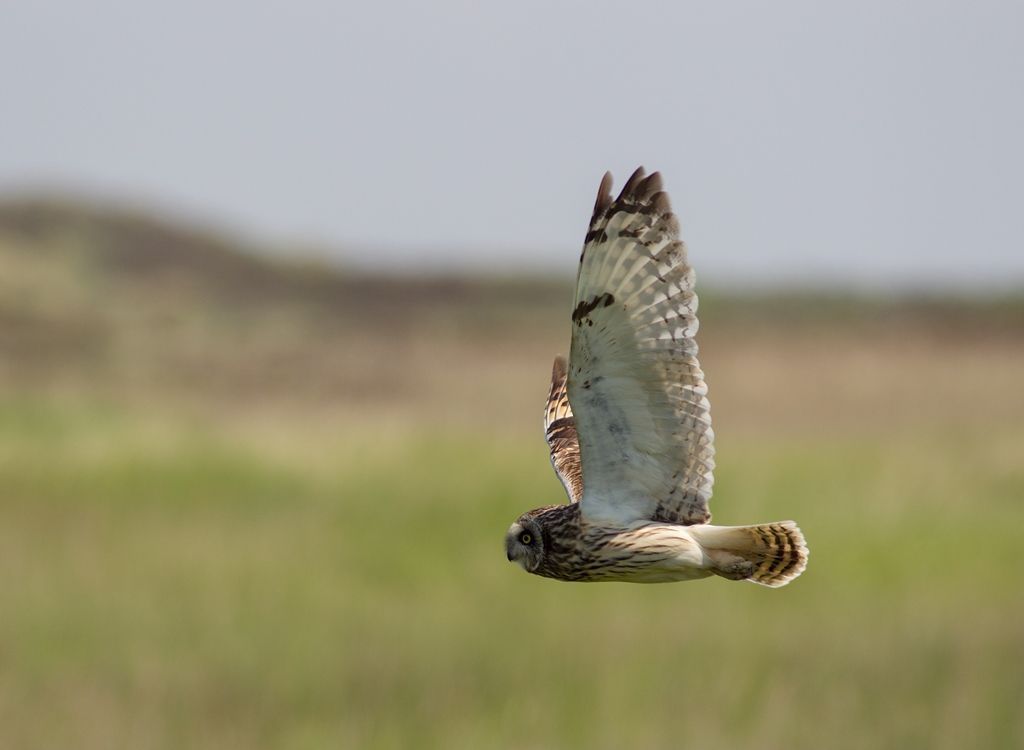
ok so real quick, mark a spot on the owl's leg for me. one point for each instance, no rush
(730, 566)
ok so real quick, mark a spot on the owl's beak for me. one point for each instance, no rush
(510, 541)
(509, 546)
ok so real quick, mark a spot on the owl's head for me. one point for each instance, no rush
(524, 543)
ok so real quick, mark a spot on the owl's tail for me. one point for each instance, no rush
(772, 554)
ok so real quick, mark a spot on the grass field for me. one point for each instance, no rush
(233, 521)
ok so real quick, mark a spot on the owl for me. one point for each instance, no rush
(628, 422)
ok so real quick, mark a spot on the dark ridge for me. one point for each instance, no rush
(143, 249)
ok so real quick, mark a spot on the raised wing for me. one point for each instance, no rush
(560, 432)
(635, 384)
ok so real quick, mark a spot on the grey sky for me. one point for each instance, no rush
(871, 142)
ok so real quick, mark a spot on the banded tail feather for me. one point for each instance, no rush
(771, 554)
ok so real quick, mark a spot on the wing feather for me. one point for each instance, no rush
(560, 432)
(641, 410)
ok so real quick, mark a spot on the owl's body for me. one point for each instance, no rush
(644, 553)
(575, 549)
(628, 422)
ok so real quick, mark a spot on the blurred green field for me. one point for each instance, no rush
(237, 519)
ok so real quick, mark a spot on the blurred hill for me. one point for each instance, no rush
(122, 305)
(115, 301)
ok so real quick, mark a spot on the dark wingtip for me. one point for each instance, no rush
(661, 203)
(631, 183)
(604, 194)
(649, 186)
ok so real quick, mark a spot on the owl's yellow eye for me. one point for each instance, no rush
(525, 537)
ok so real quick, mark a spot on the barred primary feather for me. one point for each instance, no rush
(637, 389)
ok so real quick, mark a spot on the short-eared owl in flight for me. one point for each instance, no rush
(628, 421)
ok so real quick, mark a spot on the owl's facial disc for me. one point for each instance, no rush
(522, 545)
